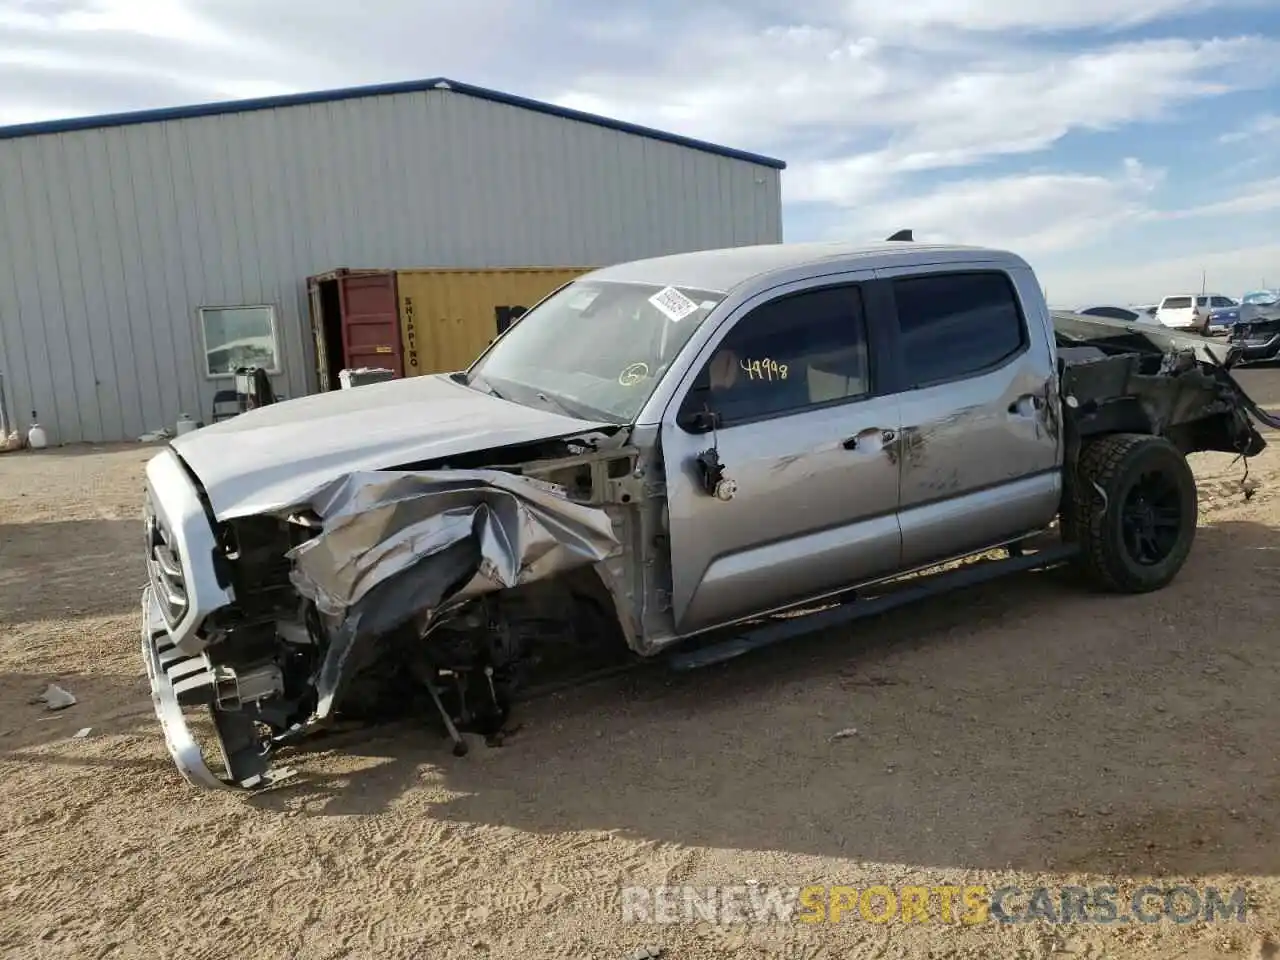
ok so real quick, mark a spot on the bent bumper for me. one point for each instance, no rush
(170, 674)
(180, 682)
(1253, 350)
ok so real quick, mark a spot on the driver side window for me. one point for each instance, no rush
(798, 351)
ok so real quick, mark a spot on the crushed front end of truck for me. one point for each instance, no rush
(376, 591)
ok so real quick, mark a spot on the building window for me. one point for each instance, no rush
(237, 337)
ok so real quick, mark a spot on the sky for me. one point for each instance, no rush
(1126, 148)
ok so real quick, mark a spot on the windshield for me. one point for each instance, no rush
(1260, 297)
(596, 349)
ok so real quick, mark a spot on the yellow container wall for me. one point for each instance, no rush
(447, 317)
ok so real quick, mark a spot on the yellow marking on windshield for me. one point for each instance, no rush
(633, 374)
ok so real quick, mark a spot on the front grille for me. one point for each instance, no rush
(164, 567)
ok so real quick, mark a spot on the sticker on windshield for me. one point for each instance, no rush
(674, 305)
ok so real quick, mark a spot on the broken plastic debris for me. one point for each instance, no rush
(81, 733)
(55, 698)
(844, 734)
(648, 953)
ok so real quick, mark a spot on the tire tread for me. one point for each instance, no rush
(1099, 463)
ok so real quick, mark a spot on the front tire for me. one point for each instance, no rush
(1137, 533)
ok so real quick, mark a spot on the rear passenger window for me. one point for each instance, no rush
(798, 351)
(957, 325)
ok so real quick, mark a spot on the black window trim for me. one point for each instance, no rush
(1023, 328)
(879, 350)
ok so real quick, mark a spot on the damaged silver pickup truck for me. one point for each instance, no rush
(673, 457)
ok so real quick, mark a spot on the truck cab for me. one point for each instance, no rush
(874, 413)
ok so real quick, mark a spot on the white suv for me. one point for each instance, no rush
(1190, 311)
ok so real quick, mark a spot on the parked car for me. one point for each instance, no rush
(1126, 314)
(1221, 320)
(1257, 333)
(674, 456)
(1191, 312)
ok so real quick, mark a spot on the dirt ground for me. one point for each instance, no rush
(1027, 733)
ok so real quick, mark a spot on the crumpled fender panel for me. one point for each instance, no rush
(1146, 378)
(398, 546)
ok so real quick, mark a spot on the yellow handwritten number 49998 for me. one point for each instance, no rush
(764, 369)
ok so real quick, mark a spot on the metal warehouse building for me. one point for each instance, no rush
(138, 251)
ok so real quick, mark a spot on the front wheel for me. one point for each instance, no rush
(1133, 511)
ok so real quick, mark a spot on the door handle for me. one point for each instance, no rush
(1033, 401)
(886, 436)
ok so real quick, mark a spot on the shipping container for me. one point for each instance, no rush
(355, 322)
(447, 317)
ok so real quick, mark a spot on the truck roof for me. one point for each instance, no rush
(724, 269)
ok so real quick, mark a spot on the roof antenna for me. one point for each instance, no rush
(904, 235)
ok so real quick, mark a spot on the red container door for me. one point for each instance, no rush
(371, 321)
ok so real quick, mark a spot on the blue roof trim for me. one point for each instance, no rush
(378, 90)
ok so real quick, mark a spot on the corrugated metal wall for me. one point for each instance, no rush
(111, 239)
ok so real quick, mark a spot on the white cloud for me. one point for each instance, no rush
(1227, 268)
(108, 68)
(797, 78)
(1021, 108)
(918, 114)
(846, 182)
(874, 119)
(885, 112)
(76, 57)
(1259, 196)
(170, 20)
(1036, 213)
(1264, 127)
(1045, 15)
(1016, 109)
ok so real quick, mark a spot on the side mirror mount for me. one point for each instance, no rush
(701, 420)
(696, 415)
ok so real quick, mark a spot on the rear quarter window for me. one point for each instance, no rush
(956, 325)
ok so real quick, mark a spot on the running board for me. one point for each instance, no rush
(858, 608)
